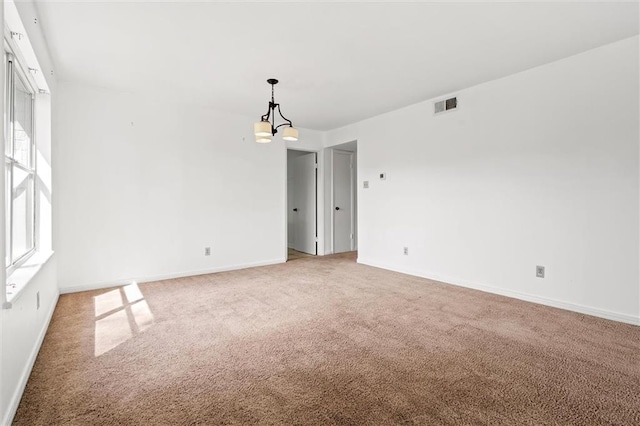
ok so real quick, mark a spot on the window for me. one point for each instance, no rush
(20, 165)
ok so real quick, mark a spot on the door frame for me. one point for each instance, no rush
(353, 198)
(286, 198)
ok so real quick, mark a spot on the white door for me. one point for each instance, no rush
(342, 201)
(303, 206)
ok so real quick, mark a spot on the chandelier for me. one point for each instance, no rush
(266, 128)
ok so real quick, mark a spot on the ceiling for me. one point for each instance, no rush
(338, 63)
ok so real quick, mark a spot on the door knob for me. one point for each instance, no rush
(337, 208)
(295, 210)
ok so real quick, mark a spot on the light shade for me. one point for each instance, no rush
(290, 134)
(263, 139)
(262, 128)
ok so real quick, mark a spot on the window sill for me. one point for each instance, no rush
(20, 278)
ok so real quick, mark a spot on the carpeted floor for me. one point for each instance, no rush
(295, 254)
(324, 341)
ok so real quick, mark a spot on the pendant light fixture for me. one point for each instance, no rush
(266, 128)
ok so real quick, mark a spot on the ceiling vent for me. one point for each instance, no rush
(445, 105)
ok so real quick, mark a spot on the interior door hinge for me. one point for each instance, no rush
(315, 165)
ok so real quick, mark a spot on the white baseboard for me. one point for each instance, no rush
(596, 312)
(24, 378)
(124, 281)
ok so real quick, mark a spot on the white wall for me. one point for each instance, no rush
(538, 168)
(22, 327)
(341, 135)
(144, 187)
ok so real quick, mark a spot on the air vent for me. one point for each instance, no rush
(445, 105)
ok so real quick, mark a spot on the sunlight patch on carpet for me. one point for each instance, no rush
(120, 315)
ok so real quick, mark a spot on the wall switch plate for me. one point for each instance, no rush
(383, 176)
(406, 251)
(365, 184)
(207, 251)
(540, 271)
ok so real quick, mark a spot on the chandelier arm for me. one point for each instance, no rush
(266, 116)
(280, 125)
(283, 117)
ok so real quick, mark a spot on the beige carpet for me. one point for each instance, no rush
(324, 341)
(295, 254)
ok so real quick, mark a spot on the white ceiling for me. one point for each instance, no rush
(337, 62)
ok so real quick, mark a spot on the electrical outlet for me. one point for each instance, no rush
(37, 300)
(365, 184)
(207, 251)
(406, 251)
(540, 271)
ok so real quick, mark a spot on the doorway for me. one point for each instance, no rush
(302, 228)
(344, 198)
